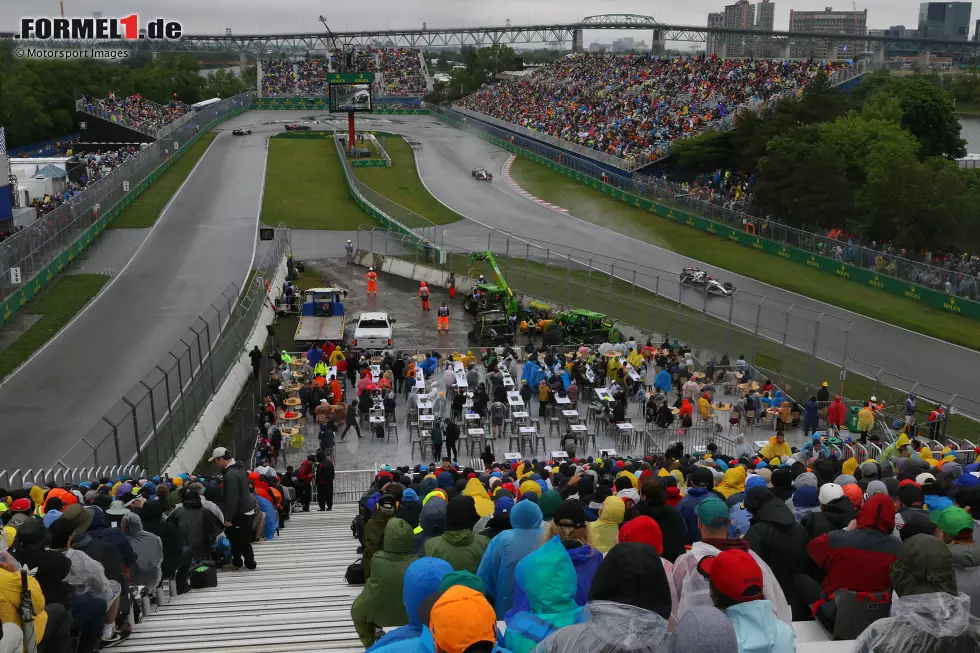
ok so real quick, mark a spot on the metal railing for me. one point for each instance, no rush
(402, 219)
(350, 485)
(37, 245)
(151, 421)
(962, 284)
(796, 348)
(62, 475)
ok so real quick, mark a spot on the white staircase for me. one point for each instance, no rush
(296, 600)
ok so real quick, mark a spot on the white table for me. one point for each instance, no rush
(603, 394)
(563, 401)
(427, 419)
(578, 428)
(475, 432)
(423, 403)
(512, 457)
(570, 415)
(513, 395)
(508, 382)
(520, 414)
(515, 403)
(528, 430)
(375, 420)
(461, 381)
(471, 417)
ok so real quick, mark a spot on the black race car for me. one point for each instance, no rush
(704, 282)
(297, 128)
(241, 132)
(482, 174)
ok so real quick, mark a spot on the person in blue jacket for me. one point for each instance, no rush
(699, 488)
(506, 549)
(547, 576)
(422, 579)
(662, 381)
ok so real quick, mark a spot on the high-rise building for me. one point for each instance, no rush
(765, 14)
(976, 32)
(740, 15)
(714, 43)
(949, 21)
(834, 22)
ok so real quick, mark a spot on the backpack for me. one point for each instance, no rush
(222, 550)
(355, 573)
(204, 576)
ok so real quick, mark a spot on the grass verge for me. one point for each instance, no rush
(305, 187)
(57, 305)
(591, 205)
(401, 184)
(146, 209)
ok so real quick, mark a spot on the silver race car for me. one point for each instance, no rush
(482, 174)
(706, 283)
(241, 132)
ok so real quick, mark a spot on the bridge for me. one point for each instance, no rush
(512, 35)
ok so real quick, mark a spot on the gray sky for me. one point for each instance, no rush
(278, 16)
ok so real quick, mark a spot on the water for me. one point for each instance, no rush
(971, 132)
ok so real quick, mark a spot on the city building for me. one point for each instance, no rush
(714, 43)
(845, 23)
(740, 15)
(976, 32)
(765, 14)
(949, 21)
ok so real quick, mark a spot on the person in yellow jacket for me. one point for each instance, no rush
(866, 422)
(733, 481)
(604, 532)
(10, 596)
(336, 356)
(704, 408)
(777, 447)
(474, 488)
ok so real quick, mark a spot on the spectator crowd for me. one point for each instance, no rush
(97, 166)
(634, 106)
(136, 111)
(400, 72)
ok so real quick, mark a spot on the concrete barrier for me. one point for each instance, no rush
(202, 435)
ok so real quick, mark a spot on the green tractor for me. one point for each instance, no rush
(489, 296)
(578, 326)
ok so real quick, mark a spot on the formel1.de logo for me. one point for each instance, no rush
(100, 29)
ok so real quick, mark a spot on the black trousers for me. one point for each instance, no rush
(240, 536)
(437, 452)
(304, 495)
(451, 450)
(88, 617)
(324, 495)
(356, 427)
(57, 633)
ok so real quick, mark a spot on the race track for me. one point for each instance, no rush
(203, 241)
(448, 155)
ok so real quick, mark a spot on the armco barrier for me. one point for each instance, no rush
(318, 104)
(16, 301)
(914, 292)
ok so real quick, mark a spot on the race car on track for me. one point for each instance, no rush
(706, 283)
(362, 97)
(482, 174)
(297, 128)
(241, 132)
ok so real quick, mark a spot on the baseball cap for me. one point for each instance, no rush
(733, 573)
(461, 618)
(503, 505)
(219, 452)
(910, 495)
(924, 477)
(702, 477)
(829, 492)
(954, 521)
(870, 468)
(712, 512)
(20, 505)
(570, 514)
(876, 487)
(825, 384)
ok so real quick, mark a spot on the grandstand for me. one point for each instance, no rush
(632, 107)
(399, 73)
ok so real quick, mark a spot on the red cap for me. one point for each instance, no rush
(733, 573)
(20, 505)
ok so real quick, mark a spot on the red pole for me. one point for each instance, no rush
(350, 130)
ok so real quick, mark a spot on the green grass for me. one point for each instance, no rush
(968, 108)
(57, 305)
(305, 188)
(146, 209)
(401, 184)
(593, 206)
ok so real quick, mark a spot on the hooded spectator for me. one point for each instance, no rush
(672, 524)
(955, 528)
(432, 522)
(604, 532)
(836, 512)
(422, 579)
(152, 516)
(373, 607)
(927, 615)
(374, 529)
(645, 530)
(570, 526)
(548, 579)
(733, 482)
(459, 545)
(856, 559)
(197, 529)
(148, 548)
(736, 581)
(628, 608)
(706, 630)
(474, 488)
(506, 550)
(409, 508)
(462, 620)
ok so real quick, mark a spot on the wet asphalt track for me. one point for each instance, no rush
(206, 239)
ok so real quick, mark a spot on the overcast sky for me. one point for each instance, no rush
(279, 16)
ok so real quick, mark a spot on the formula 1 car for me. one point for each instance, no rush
(241, 132)
(482, 174)
(362, 97)
(297, 128)
(706, 283)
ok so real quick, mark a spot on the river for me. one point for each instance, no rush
(971, 132)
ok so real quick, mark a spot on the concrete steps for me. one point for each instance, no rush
(296, 600)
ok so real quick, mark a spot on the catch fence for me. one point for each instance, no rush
(151, 421)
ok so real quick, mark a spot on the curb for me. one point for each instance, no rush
(523, 193)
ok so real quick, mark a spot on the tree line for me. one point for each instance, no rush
(877, 161)
(37, 97)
